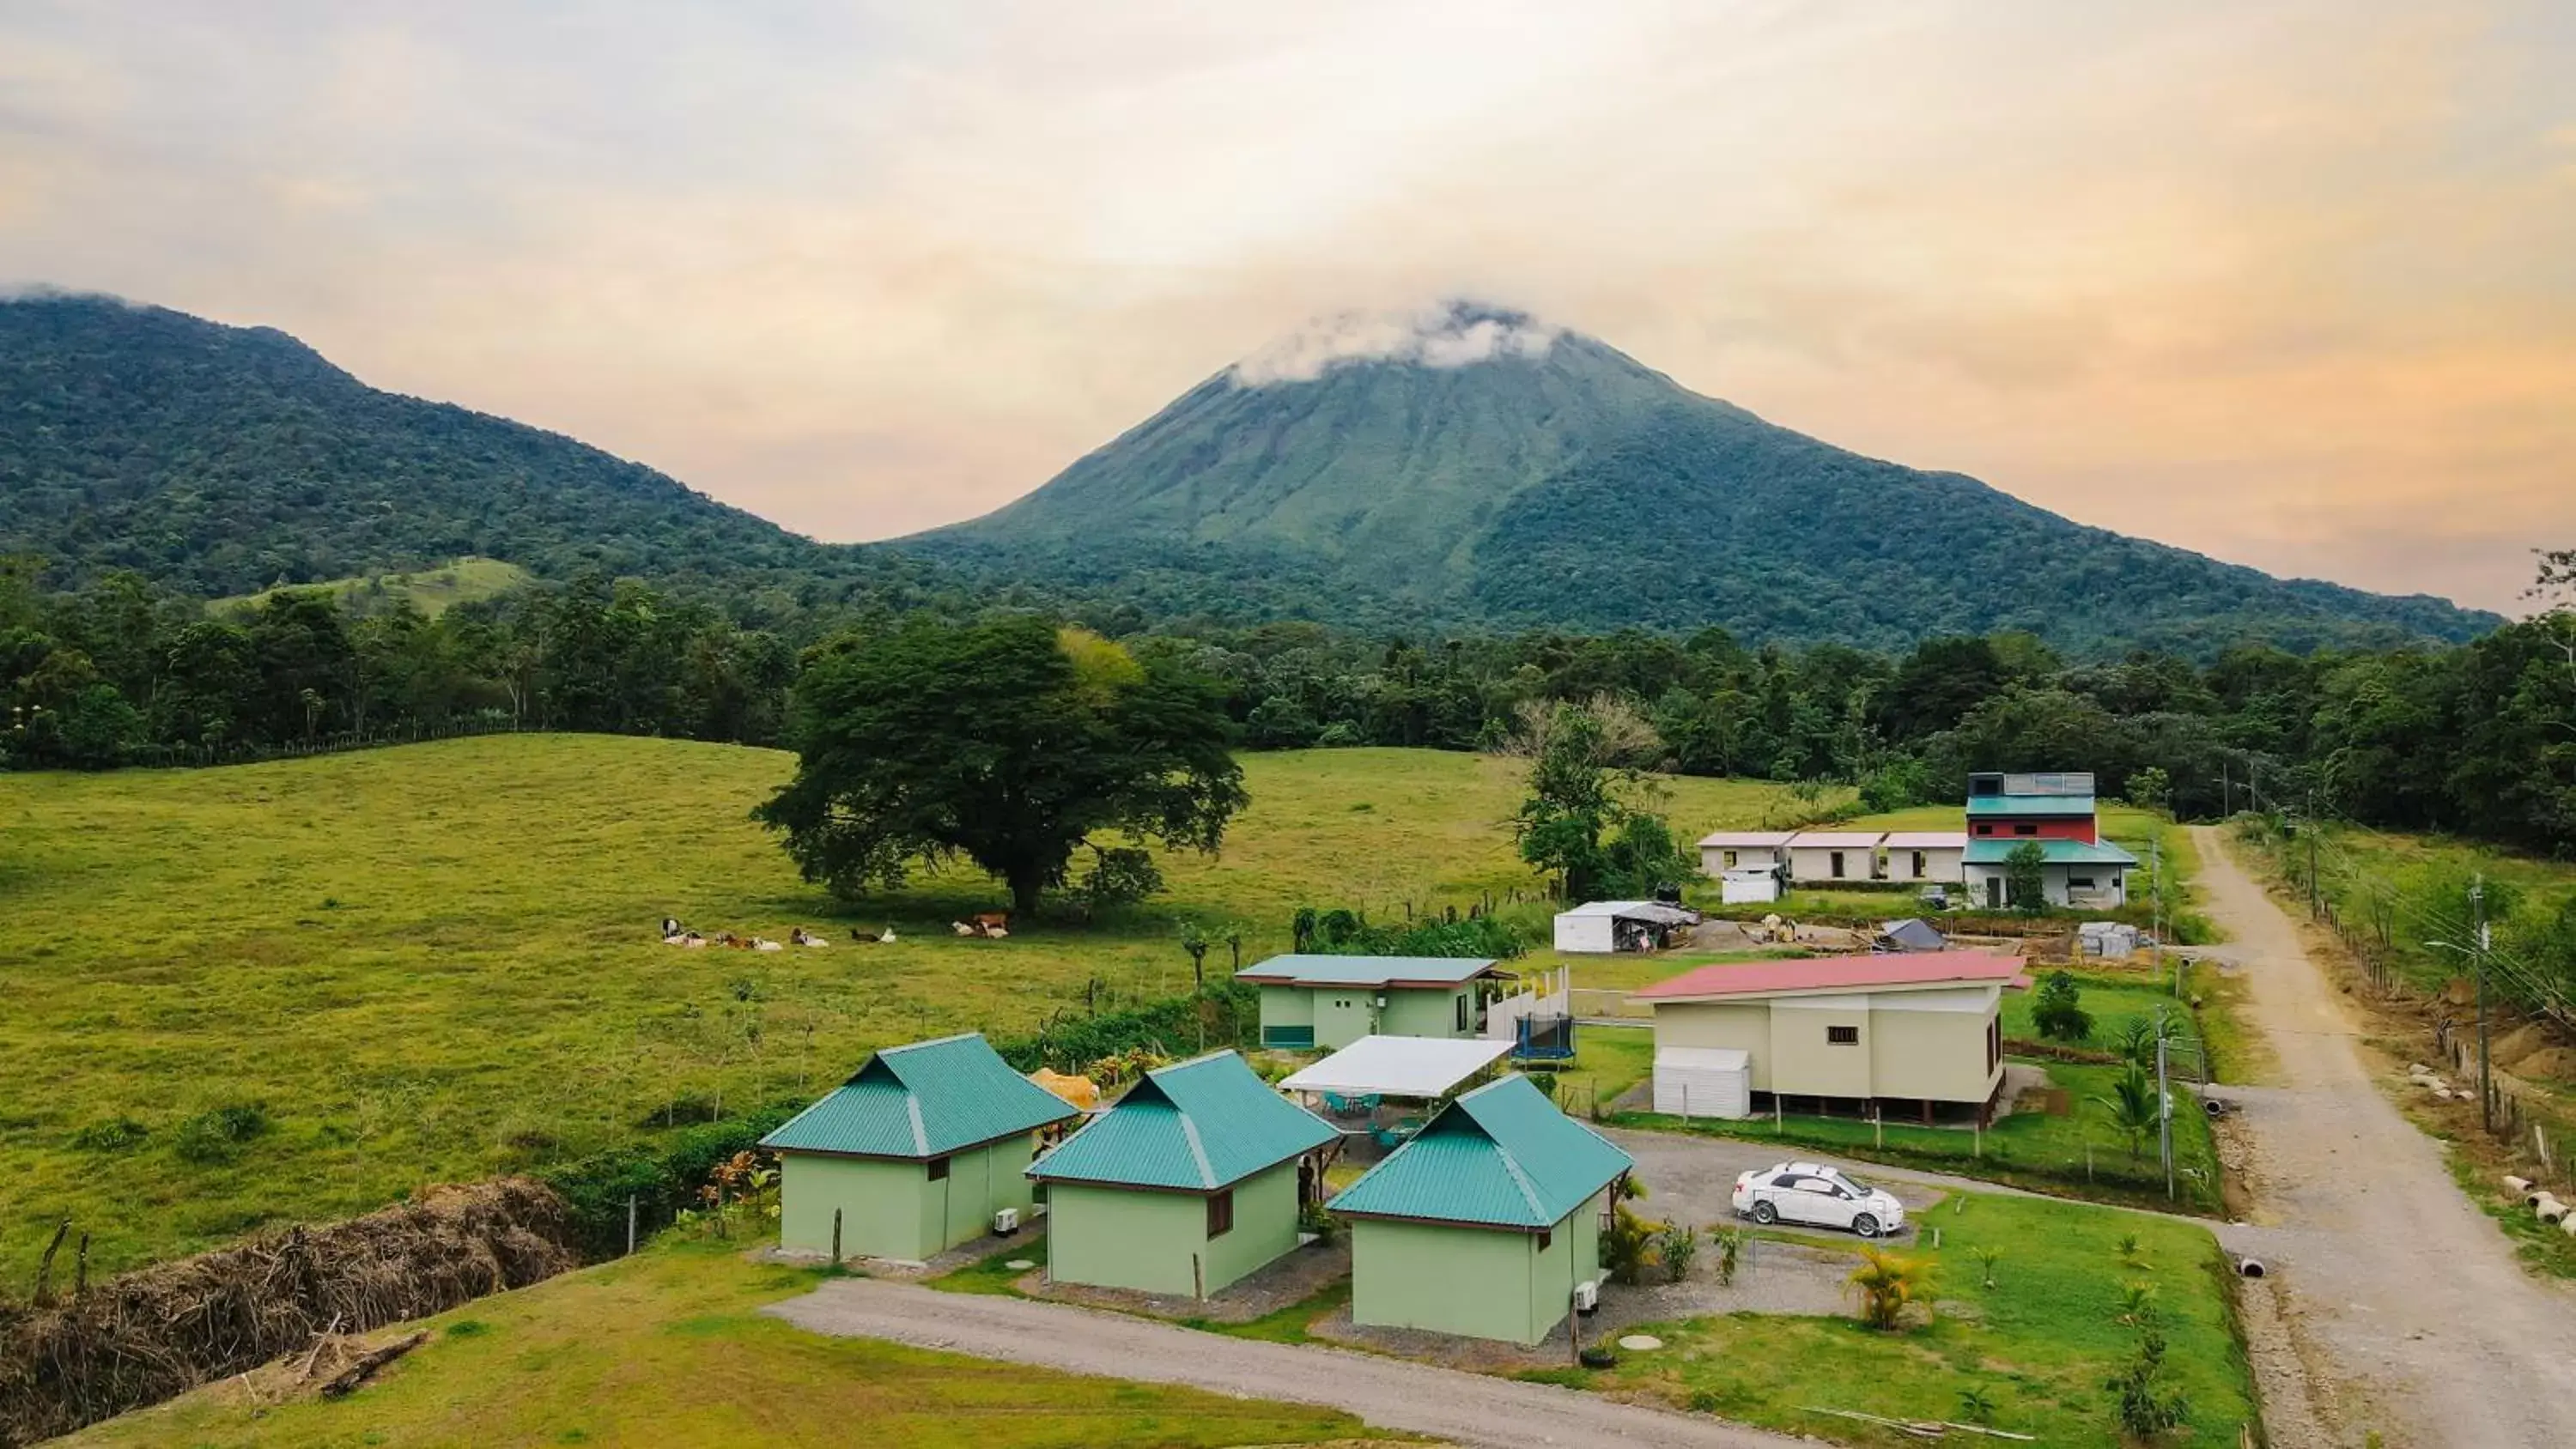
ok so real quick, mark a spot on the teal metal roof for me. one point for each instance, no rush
(1501, 1156)
(1367, 970)
(2054, 852)
(1197, 1126)
(2028, 805)
(927, 1099)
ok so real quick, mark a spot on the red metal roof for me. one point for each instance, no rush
(1831, 973)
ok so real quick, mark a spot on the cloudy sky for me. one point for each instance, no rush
(2290, 283)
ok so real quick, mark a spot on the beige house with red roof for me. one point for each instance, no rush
(1917, 1034)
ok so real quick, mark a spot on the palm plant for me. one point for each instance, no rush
(1986, 1260)
(2130, 1250)
(1889, 1283)
(2133, 1108)
(1976, 1406)
(2137, 1305)
(2140, 1037)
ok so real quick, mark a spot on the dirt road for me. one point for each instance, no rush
(1462, 1408)
(2397, 1307)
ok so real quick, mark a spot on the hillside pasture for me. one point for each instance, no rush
(301, 989)
(433, 591)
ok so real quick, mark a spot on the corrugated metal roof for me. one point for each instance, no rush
(1747, 839)
(1831, 973)
(1197, 1126)
(927, 1099)
(1306, 970)
(1501, 1155)
(2049, 806)
(1655, 911)
(1926, 840)
(1835, 839)
(2054, 852)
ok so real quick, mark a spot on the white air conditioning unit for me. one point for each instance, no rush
(1006, 1221)
(1587, 1297)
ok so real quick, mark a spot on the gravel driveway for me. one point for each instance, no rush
(2398, 1307)
(1462, 1408)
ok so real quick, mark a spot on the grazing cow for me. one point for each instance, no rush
(670, 927)
(693, 941)
(803, 937)
(961, 928)
(736, 942)
(995, 932)
(758, 944)
(888, 938)
(990, 923)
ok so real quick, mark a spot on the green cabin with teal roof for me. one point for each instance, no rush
(1192, 1180)
(914, 1155)
(1326, 1003)
(1485, 1222)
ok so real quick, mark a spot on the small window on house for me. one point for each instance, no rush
(1838, 865)
(1842, 1036)
(1985, 830)
(1918, 864)
(939, 1169)
(1462, 1011)
(2080, 882)
(1546, 1239)
(1730, 860)
(2025, 830)
(1220, 1213)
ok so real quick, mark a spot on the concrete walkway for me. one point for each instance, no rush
(1461, 1408)
(2396, 1306)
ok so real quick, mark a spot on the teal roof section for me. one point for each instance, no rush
(2053, 852)
(2029, 806)
(1303, 970)
(924, 1100)
(1501, 1156)
(1194, 1127)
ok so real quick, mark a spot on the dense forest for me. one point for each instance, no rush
(2477, 739)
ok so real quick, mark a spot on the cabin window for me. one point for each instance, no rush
(1730, 860)
(1462, 1011)
(1994, 1044)
(1838, 865)
(2025, 830)
(1842, 1036)
(1220, 1213)
(2079, 882)
(939, 1169)
(1985, 830)
(1546, 1239)
(1918, 864)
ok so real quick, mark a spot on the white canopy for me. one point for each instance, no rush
(1398, 1066)
(1655, 911)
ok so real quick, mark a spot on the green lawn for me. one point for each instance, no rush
(2112, 1001)
(666, 1348)
(2039, 1344)
(439, 961)
(1608, 1060)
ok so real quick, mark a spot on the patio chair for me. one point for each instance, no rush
(1341, 1106)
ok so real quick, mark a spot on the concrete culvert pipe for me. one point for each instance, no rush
(2516, 1185)
(2538, 1195)
(2567, 1225)
(2552, 1211)
(2249, 1267)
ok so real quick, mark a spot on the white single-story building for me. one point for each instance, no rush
(2073, 873)
(1937, 857)
(1606, 926)
(1727, 850)
(1821, 857)
(1913, 1033)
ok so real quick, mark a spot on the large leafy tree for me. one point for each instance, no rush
(1010, 743)
(1574, 823)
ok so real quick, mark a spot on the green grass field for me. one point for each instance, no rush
(666, 1348)
(2038, 1344)
(439, 961)
(432, 591)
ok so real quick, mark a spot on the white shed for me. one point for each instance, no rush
(1748, 887)
(1606, 926)
(1932, 856)
(1703, 1082)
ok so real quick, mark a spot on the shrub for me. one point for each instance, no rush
(1730, 1255)
(116, 1134)
(663, 1180)
(1888, 1284)
(1627, 1246)
(1675, 1246)
(217, 1137)
(2146, 1409)
(2057, 1010)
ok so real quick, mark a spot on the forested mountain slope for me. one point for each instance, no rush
(1486, 470)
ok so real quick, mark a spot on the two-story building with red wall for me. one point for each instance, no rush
(2055, 811)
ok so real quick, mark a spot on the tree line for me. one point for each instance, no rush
(2477, 739)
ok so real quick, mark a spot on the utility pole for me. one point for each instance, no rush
(2226, 793)
(2164, 1111)
(2156, 906)
(2311, 824)
(2486, 1080)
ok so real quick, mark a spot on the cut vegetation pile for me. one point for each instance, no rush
(157, 1333)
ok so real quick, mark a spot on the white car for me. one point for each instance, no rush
(1809, 1193)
